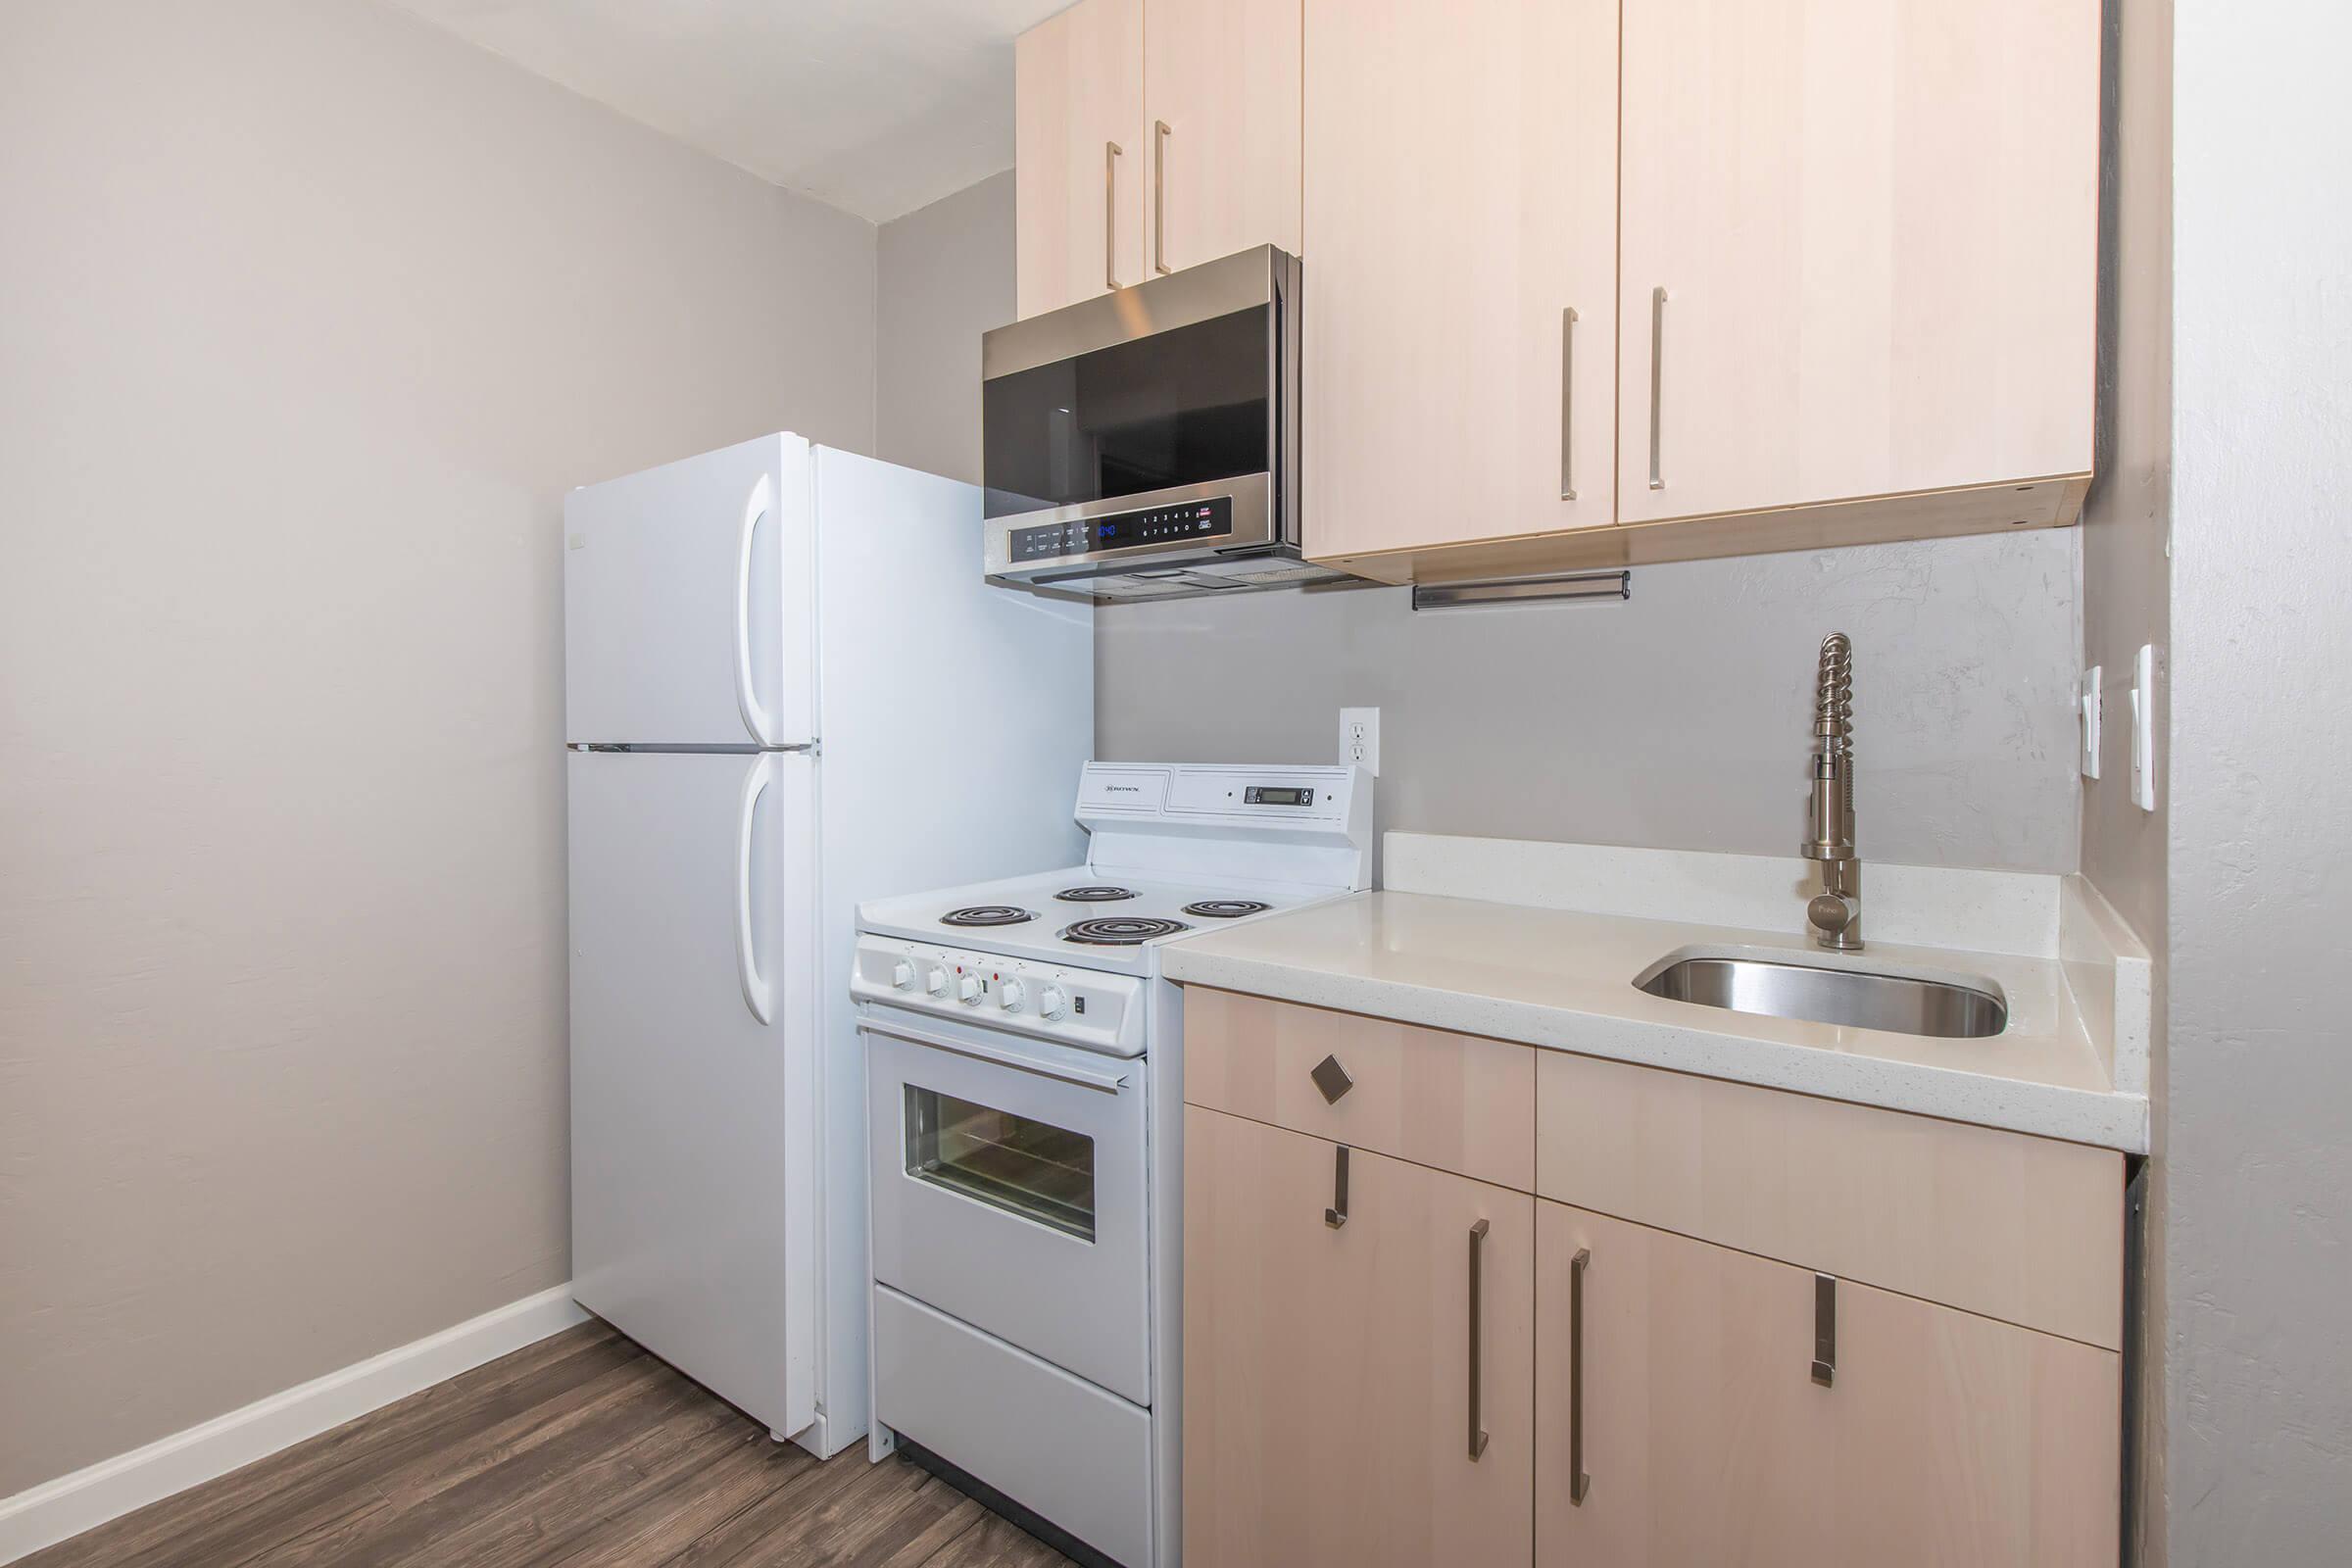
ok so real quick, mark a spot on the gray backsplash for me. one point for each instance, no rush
(1679, 719)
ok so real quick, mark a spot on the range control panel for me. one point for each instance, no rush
(1080, 1008)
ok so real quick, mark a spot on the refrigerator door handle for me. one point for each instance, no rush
(758, 993)
(747, 694)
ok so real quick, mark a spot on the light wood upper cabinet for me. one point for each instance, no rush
(1328, 1402)
(1460, 201)
(1080, 153)
(1875, 227)
(1940, 1438)
(1221, 83)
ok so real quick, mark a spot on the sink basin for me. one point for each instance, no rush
(1782, 989)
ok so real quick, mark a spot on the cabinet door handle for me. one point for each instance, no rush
(1578, 1483)
(1478, 1246)
(1111, 152)
(1568, 403)
(1337, 1214)
(1824, 1329)
(1658, 384)
(1160, 195)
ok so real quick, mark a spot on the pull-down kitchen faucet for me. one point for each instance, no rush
(1835, 913)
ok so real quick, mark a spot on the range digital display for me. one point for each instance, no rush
(1087, 536)
(1272, 795)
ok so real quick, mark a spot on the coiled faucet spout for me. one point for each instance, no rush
(1835, 913)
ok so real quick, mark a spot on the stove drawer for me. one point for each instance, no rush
(1453, 1101)
(1054, 1442)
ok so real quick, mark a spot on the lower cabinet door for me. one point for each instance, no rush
(1343, 1404)
(1680, 1420)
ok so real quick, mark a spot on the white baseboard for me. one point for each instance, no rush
(88, 1498)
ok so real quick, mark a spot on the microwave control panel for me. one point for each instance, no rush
(1205, 519)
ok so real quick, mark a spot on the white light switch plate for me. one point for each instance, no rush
(2090, 721)
(1359, 738)
(2143, 728)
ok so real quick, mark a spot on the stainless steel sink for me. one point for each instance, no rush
(1898, 1003)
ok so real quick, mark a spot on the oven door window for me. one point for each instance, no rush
(1023, 1166)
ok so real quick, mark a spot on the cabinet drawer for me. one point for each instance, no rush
(2027, 1230)
(1453, 1101)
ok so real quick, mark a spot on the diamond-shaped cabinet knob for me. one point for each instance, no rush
(1332, 1079)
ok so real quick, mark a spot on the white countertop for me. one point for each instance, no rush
(1564, 979)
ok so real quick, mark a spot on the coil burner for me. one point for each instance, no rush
(1115, 931)
(987, 914)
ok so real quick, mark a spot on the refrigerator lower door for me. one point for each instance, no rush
(694, 1210)
(689, 602)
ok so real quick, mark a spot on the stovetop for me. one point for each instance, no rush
(1082, 916)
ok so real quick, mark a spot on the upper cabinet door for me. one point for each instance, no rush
(1859, 249)
(1221, 84)
(1080, 155)
(1460, 272)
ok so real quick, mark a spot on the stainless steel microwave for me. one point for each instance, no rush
(1144, 444)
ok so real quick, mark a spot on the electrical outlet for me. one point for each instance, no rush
(1359, 738)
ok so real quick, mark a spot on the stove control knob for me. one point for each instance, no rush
(938, 982)
(902, 975)
(1051, 1002)
(1011, 995)
(968, 988)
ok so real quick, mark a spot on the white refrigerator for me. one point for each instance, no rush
(787, 689)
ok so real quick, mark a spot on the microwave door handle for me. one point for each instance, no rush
(1110, 1083)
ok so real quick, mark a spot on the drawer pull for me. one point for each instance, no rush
(1578, 1483)
(1337, 1214)
(1331, 1078)
(1478, 1246)
(1824, 1329)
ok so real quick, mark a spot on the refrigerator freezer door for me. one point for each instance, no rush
(689, 603)
(691, 1119)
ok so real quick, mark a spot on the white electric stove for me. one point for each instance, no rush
(1025, 1105)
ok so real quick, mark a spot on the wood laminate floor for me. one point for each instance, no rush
(578, 1449)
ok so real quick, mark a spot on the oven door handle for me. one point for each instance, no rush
(1110, 1083)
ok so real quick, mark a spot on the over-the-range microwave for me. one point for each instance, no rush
(1144, 444)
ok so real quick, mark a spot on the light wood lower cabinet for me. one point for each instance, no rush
(1328, 1395)
(1942, 1437)
(1328, 1372)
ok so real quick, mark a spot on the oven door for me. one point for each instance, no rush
(1008, 1189)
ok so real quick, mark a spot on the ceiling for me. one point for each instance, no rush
(876, 106)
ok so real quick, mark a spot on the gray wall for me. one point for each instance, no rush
(1680, 719)
(946, 277)
(311, 314)
(2127, 587)
(2259, 1252)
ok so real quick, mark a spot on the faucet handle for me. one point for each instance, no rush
(1830, 914)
